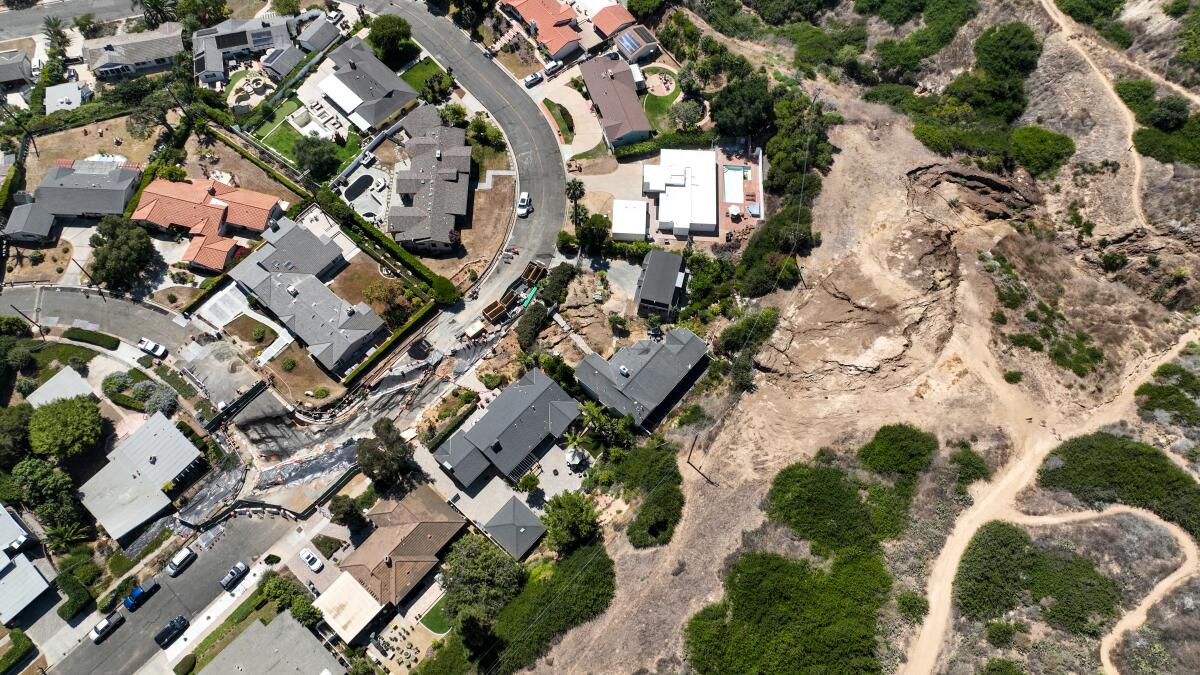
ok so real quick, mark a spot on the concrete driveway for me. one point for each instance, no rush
(78, 232)
(587, 126)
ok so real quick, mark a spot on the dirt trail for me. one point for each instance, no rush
(994, 500)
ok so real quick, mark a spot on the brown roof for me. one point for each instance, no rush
(614, 93)
(410, 534)
(612, 19)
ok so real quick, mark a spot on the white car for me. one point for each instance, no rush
(532, 80)
(152, 348)
(314, 563)
(524, 205)
(553, 67)
(106, 626)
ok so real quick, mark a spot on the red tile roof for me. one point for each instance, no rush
(612, 19)
(552, 20)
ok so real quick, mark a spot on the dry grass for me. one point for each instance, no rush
(246, 174)
(243, 329)
(491, 212)
(84, 142)
(183, 295)
(25, 270)
(356, 277)
(306, 376)
(522, 62)
(244, 9)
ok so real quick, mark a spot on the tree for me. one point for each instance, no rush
(391, 36)
(530, 324)
(454, 115)
(485, 133)
(474, 624)
(175, 174)
(87, 26)
(469, 14)
(437, 88)
(155, 12)
(317, 156)
(65, 428)
(14, 434)
(1007, 50)
(644, 8)
(63, 536)
(201, 13)
(122, 252)
(1169, 112)
(529, 483)
(362, 666)
(12, 326)
(618, 323)
(579, 213)
(285, 7)
(19, 359)
(56, 34)
(149, 115)
(687, 113)
(42, 482)
(303, 611)
(570, 521)
(592, 413)
(744, 107)
(574, 190)
(593, 233)
(386, 459)
(343, 511)
(478, 574)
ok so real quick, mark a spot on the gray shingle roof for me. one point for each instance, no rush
(280, 62)
(129, 49)
(382, 91)
(282, 647)
(654, 370)
(128, 490)
(526, 414)
(87, 187)
(66, 383)
(612, 90)
(658, 282)
(283, 275)
(261, 34)
(29, 220)
(515, 528)
(14, 67)
(436, 186)
(319, 34)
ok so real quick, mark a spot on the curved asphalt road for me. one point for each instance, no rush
(15, 23)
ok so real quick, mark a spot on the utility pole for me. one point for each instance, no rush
(91, 281)
(40, 330)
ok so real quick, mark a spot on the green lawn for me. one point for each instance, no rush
(435, 619)
(289, 106)
(600, 150)
(562, 117)
(60, 352)
(283, 140)
(658, 108)
(422, 70)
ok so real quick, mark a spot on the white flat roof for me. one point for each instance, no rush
(629, 219)
(347, 606)
(66, 383)
(339, 93)
(686, 184)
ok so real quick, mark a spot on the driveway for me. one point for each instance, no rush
(79, 233)
(587, 126)
(188, 594)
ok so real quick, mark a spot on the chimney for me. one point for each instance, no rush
(387, 560)
(353, 65)
(438, 154)
(624, 371)
(292, 291)
(153, 459)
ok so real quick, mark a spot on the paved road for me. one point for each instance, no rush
(115, 316)
(26, 22)
(539, 161)
(127, 649)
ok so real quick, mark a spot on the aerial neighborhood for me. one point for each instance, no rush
(592, 336)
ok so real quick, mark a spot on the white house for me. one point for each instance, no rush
(629, 220)
(685, 185)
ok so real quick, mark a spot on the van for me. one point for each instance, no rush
(171, 632)
(180, 561)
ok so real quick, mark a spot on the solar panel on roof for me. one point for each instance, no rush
(231, 40)
(627, 42)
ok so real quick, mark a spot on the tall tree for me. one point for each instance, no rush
(155, 12)
(122, 253)
(14, 434)
(317, 156)
(56, 33)
(593, 233)
(149, 115)
(387, 459)
(391, 36)
(41, 481)
(201, 13)
(574, 191)
(65, 428)
(477, 573)
(86, 23)
(343, 511)
(570, 521)
(744, 106)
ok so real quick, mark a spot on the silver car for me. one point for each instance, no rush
(106, 626)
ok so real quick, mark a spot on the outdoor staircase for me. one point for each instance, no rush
(512, 34)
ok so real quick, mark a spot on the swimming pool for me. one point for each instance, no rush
(732, 178)
(359, 186)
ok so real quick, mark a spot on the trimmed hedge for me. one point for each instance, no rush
(186, 665)
(148, 176)
(675, 140)
(19, 647)
(77, 594)
(127, 401)
(283, 180)
(217, 284)
(14, 178)
(453, 426)
(110, 599)
(369, 362)
(92, 337)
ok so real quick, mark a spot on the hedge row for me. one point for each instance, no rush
(402, 332)
(110, 599)
(675, 140)
(18, 648)
(451, 427)
(218, 282)
(12, 180)
(92, 337)
(127, 401)
(77, 594)
(148, 175)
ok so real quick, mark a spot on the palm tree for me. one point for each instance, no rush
(56, 34)
(155, 12)
(573, 439)
(592, 412)
(61, 537)
(574, 191)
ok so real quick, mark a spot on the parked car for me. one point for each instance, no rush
(234, 575)
(335, 16)
(152, 348)
(524, 205)
(171, 631)
(532, 79)
(141, 594)
(314, 563)
(180, 561)
(106, 626)
(553, 67)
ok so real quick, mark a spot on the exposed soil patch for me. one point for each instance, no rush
(54, 262)
(83, 142)
(208, 155)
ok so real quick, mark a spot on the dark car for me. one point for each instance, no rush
(171, 632)
(234, 575)
(141, 594)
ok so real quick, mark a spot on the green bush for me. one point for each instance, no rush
(899, 449)
(92, 337)
(530, 324)
(888, 507)
(118, 564)
(186, 665)
(652, 471)
(110, 600)
(19, 646)
(999, 666)
(971, 467)
(1013, 376)
(126, 401)
(900, 60)
(1000, 634)
(912, 606)
(77, 595)
(1041, 152)
(749, 333)
(821, 505)
(675, 140)
(1027, 341)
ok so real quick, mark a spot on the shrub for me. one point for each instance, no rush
(320, 392)
(999, 666)
(110, 600)
(19, 646)
(1000, 634)
(912, 606)
(530, 324)
(971, 467)
(92, 337)
(1027, 341)
(821, 505)
(653, 472)
(78, 596)
(288, 365)
(1013, 376)
(1040, 151)
(129, 402)
(115, 383)
(259, 333)
(749, 333)
(899, 449)
(186, 665)
(272, 559)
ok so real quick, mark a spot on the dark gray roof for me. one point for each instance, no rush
(382, 91)
(611, 87)
(319, 33)
(15, 66)
(261, 34)
(282, 61)
(515, 528)
(659, 278)
(87, 187)
(130, 49)
(525, 415)
(128, 491)
(30, 220)
(436, 186)
(654, 370)
(282, 274)
(282, 647)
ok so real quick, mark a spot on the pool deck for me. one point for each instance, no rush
(373, 202)
(727, 157)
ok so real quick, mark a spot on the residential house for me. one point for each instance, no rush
(29, 224)
(213, 47)
(318, 34)
(21, 583)
(684, 182)
(613, 91)
(554, 25)
(287, 274)
(630, 220)
(134, 53)
(129, 490)
(518, 426)
(612, 20)
(647, 378)
(636, 43)
(435, 189)
(282, 647)
(210, 211)
(367, 92)
(67, 96)
(515, 528)
(66, 383)
(407, 543)
(15, 69)
(661, 285)
(88, 188)
(279, 62)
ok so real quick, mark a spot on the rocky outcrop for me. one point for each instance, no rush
(986, 193)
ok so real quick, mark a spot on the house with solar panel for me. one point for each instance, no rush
(213, 48)
(636, 43)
